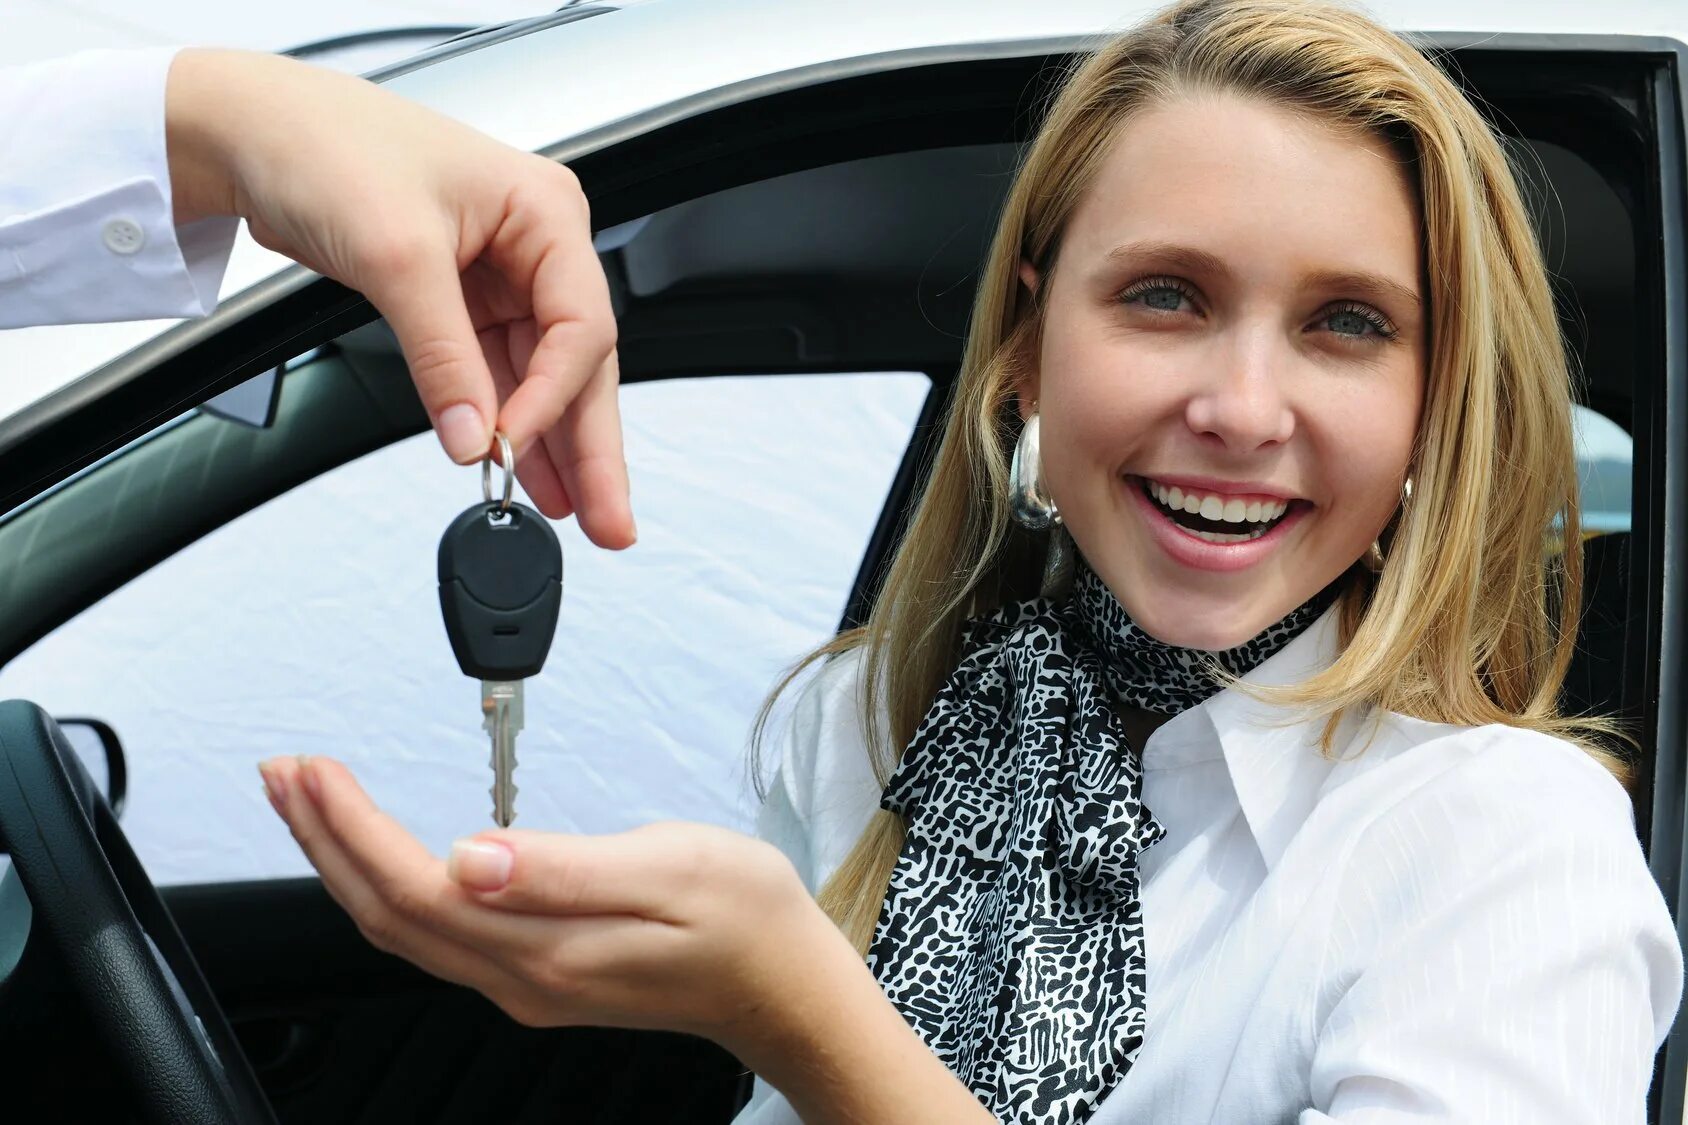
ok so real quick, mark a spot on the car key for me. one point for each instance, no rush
(501, 584)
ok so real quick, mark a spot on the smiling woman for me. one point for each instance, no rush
(1205, 764)
(1239, 343)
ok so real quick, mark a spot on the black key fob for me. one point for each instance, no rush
(501, 584)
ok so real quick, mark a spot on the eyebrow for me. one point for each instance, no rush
(1193, 260)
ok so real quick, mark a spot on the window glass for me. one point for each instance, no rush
(311, 625)
(1605, 465)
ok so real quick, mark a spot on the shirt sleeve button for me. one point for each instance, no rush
(124, 236)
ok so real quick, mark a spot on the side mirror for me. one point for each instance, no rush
(252, 403)
(97, 745)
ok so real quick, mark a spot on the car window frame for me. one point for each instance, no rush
(1658, 572)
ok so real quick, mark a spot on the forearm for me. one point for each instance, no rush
(200, 92)
(847, 1056)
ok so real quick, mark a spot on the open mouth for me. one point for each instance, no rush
(1216, 518)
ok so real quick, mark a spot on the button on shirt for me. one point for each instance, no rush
(86, 225)
(1441, 924)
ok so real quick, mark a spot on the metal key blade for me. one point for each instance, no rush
(501, 704)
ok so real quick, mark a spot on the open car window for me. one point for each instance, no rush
(311, 625)
(1605, 472)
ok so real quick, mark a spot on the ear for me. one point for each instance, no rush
(1025, 388)
(1029, 277)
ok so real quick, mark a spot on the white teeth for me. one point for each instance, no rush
(1216, 507)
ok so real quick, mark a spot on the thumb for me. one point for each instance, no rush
(425, 307)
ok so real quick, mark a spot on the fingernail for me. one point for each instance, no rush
(462, 431)
(308, 778)
(277, 795)
(480, 865)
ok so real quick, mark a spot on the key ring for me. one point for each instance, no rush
(509, 460)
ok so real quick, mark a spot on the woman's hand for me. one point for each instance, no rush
(683, 927)
(478, 254)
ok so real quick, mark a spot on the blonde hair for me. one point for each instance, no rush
(1471, 620)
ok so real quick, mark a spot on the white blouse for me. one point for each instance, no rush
(1444, 924)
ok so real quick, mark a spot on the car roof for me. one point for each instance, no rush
(569, 79)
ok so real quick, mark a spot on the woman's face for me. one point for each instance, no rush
(1234, 326)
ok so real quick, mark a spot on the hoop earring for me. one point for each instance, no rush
(1372, 560)
(1029, 504)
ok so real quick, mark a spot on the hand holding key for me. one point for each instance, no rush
(501, 583)
(479, 255)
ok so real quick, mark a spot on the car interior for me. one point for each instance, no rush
(823, 227)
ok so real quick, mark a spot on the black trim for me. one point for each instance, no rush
(438, 32)
(477, 38)
(117, 765)
(900, 499)
(1667, 609)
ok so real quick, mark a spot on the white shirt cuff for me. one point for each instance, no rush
(87, 231)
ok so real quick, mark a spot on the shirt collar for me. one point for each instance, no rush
(1271, 754)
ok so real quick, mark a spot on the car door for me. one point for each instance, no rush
(747, 284)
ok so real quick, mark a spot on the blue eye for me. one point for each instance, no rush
(1159, 293)
(1353, 321)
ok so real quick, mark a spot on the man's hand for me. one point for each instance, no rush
(479, 255)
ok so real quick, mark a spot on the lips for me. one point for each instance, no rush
(1196, 540)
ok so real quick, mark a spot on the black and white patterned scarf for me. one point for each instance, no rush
(1011, 936)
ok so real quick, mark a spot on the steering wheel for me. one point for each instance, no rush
(93, 901)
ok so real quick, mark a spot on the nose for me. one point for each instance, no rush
(1241, 401)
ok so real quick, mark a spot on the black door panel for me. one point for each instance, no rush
(339, 1032)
